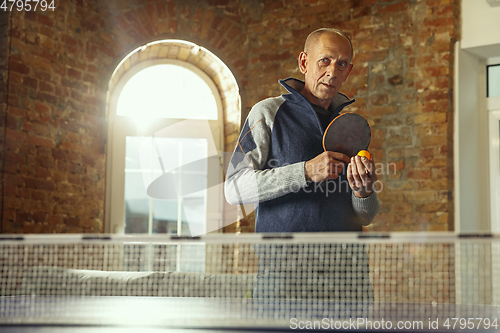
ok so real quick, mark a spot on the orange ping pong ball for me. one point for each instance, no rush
(364, 153)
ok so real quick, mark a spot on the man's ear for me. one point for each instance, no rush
(303, 62)
(348, 72)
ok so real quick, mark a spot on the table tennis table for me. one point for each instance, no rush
(191, 314)
(421, 283)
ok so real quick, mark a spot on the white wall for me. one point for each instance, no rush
(479, 44)
(471, 143)
(480, 28)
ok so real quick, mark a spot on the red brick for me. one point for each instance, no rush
(444, 10)
(30, 82)
(40, 184)
(160, 11)
(71, 221)
(398, 7)
(43, 173)
(379, 99)
(9, 214)
(419, 174)
(46, 163)
(74, 179)
(43, 76)
(360, 3)
(12, 203)
(15, 78)
(16, 134)
(121, 22)
(41, 108)
(44, 97)
(92, 69)
(436, 71)
(39, 195)
(90, 78)
(11, 167)
(74, 229)
(23, 217)
(45, 19)
(74, 74)
(86, 223)
(46, 87)
(432, 96)
(76, 95)
(11, 191)
(274, 56)
(55, 219)
(439, 22)
(30, 15)
(39, 62)
(40, 217)
(76, 64)
(40, 129)
(370, 56)
(18, 90)
(19, 67)
(434, 3)
(272, 5)
(171, 9)
(432, 184)
(40, 141)
(14, 181)
(28, 149)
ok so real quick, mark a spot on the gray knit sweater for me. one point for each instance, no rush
(267, 169)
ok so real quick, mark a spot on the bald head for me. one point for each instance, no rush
(313, 38)
(326, 64)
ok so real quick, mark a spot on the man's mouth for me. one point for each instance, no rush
(329, 86)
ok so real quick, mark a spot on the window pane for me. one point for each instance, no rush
(167, 91)
(185, 159)
(136, 198)
(494, 81)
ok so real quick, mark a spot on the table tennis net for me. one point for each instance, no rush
(391, 271)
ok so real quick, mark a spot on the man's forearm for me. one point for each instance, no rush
(366, 208)
(254, 186)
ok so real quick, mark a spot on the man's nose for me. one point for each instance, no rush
(331, 70)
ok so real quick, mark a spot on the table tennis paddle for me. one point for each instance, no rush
(348, 133)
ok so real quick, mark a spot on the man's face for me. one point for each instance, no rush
(326, 66)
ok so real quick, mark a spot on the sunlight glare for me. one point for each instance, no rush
(166, 91)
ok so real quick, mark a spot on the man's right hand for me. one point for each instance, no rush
(327, 165)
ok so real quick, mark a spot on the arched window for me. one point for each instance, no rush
(167, 91)
(165, 115)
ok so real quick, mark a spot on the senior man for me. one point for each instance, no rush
(279, 165)
(279, 160)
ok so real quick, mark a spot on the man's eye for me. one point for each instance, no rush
(324, 61)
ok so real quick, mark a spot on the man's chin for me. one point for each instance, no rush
(326, 96)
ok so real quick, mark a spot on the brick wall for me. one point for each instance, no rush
(3, 61)
(61, 62)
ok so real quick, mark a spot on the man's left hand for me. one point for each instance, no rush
(361, 176)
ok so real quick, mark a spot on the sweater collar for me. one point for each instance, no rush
(294, 87)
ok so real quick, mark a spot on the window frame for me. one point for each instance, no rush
(119, 127)
(488, 80)
(493, 104)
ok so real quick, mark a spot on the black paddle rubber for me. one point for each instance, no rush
(348, 134)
